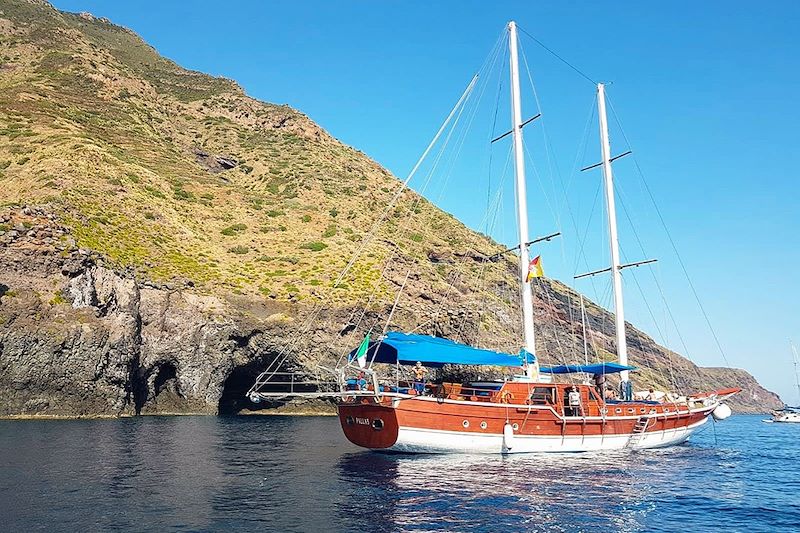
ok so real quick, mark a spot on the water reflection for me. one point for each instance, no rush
(300, 474)
(536, 492)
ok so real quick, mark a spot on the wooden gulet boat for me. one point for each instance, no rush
(526, 414)
(531, 412)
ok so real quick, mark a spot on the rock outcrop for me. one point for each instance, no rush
(80, 339)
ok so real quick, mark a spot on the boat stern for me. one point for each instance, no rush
(369, 424)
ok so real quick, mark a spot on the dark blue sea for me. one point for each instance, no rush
(268, 473)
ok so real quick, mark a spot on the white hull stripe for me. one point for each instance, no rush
(416, 440)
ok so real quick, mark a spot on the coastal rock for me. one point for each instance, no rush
(119, 347)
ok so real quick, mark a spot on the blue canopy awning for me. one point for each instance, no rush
(598, 368)
(408, 348)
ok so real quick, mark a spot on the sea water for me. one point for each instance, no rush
(269, 473)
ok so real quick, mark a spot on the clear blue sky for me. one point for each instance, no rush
(706, 91)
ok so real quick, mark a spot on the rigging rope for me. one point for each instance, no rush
(283, 354)
(671, 240)
(404, 184)
(570, 65)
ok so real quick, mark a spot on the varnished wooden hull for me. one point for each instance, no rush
(431, 425)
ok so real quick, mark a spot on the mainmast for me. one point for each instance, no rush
(796, 361)
(522, 203)
(616, 269)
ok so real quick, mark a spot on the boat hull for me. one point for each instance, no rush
(415, 440)
(423, 425)
(787, 420)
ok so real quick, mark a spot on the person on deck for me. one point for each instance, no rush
(419, 377)
(574, 400)
(600, 383)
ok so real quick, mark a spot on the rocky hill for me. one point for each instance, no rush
(163, 236)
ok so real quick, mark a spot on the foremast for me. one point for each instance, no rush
(532, 369)
(613, 241)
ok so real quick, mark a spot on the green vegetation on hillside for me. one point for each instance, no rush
(180, 175)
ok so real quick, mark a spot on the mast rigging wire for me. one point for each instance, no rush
(404, 184)
(570, 65)
(671, 240)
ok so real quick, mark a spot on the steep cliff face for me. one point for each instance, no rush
(78, 338)
(164, 236)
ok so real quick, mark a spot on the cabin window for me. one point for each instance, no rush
(543, 396)
(377, 424)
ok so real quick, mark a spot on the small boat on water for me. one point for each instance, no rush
(789, 414)
(532, 410)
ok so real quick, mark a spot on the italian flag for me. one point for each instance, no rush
(361, 354)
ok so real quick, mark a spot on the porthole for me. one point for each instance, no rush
(642, 410)
(666, 409)
(631, 410)
(515, 426)
(465, 423)
(652, 411)
(349, 420)
(377, 424)
(618, 410)
(483, 424)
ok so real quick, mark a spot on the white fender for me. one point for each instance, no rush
(721, 412)
(255, 398)
(508, 436)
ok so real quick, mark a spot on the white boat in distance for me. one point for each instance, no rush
(789, 414)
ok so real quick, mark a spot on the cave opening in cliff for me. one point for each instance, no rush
(165, 379)
(158, 390)
(234, 390)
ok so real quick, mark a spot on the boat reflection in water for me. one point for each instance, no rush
(552, 492)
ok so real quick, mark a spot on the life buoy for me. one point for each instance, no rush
(507, 397)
